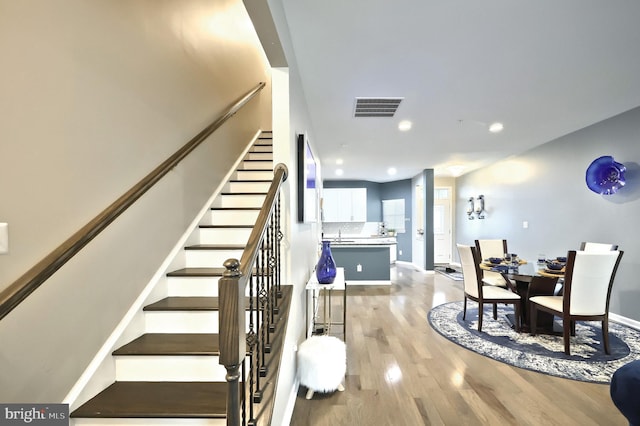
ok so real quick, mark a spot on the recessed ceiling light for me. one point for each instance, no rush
(404, 125)
(496, 127)
(392, 171)
(339, 162)
(339, 172)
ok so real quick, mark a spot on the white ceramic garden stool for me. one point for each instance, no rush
(322, 364)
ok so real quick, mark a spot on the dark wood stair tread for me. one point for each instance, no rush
(235, 208)
(244, 193)
(216, 247)
(184, 304)
(172, 344)
(187, 304)
(226, 226)
(197, 272)
(200, 272)
(158, 399)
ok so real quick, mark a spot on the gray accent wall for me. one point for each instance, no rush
(429, 249)
(401, 189)
(546, 188)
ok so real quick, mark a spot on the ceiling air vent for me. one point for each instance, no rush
(376, 107)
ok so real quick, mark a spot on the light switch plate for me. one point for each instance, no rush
(4, 238)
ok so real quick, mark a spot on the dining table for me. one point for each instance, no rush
(529, 280)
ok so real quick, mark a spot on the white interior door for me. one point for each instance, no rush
(442, 225)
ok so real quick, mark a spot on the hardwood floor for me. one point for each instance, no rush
(401, 372)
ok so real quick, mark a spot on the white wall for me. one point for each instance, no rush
(546, 188)
(95, 94)
(291, 118)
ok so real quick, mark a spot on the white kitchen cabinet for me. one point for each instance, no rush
(345, 204)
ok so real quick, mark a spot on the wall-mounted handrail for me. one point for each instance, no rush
(20, 289)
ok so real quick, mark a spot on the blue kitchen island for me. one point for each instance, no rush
(365, 260)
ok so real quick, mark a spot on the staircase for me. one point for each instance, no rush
(171, 373)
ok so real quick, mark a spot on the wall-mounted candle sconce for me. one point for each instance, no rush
(479, 206)
(470, 208)
(475, 207)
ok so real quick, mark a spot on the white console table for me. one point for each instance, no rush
(327, 290)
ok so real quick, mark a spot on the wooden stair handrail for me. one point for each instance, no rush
(20, 289)
(231, 290)
(250, 252)
(232, 342)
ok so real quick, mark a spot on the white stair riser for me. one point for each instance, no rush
(192, 286)
(265, 156)
(249, 186)
(245, 200)
(254, 175)
(224, 235)
(210, 258)
(230, 217)
(148, 422)
(170, 368)
(256, 165)
(262, 148)
(183, 322)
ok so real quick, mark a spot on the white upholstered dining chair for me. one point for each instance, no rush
(483, 294)
(589, 246)
(487, 249)
(588, 281)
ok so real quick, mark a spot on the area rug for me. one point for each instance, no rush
(542, 353)
(449, 272)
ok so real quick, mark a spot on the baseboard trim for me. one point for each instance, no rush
(291, 403)
(624, 320)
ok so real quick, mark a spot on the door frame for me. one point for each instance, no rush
(449, 203)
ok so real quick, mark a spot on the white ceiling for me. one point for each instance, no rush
(544, 68)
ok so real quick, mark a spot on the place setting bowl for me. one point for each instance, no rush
(555, 266)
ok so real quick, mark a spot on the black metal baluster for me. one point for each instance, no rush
(263, 312)
(257, 397)
(280, 237)
(270, 293)
(251, 342)
(243, 386)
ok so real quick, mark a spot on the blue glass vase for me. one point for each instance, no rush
(326, 267)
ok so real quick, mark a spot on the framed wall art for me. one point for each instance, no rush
(308, 190)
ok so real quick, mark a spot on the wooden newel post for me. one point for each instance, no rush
(232, 340)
